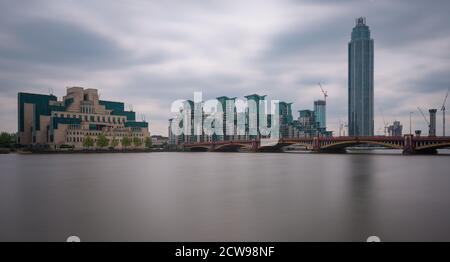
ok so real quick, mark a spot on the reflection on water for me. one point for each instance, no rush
(225, 197)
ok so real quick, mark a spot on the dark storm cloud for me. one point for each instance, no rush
(59, 43)
(50, 42)
(295, 42)
(432, 82)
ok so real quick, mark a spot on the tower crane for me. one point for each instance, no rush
(424, 117)
(386, 124)
(443, 112)
(325, 93)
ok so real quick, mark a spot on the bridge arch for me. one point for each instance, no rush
(198, 148)
(232, 147)
(432, 146)
(307, 145)
(345, 144)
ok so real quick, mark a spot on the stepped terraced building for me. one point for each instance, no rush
(45, 122)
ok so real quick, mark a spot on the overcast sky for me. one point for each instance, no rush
(150, 53)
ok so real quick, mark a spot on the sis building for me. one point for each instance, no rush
(45, 122)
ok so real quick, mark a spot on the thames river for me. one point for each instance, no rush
(224, 197)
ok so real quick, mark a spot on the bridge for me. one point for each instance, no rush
(410, 144)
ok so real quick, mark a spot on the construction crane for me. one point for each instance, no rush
(325, 93)
(386, 124)
(443, 112)
(424, 117)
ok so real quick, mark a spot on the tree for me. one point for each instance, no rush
(6, 139)
(88, 142)
(148, 142)
(126, 142)
(114, 142)
(102, 141)
(137, 142)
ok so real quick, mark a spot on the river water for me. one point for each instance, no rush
(224, 197)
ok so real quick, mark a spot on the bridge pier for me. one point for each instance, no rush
(255, 146)
(316, 144)
(408, 145)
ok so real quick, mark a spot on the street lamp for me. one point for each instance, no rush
(410, 122)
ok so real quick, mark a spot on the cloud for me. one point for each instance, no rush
(150, 53)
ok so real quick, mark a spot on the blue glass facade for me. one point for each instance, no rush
(118, 109)
(360, 81)
(41, 107)
(320, 113)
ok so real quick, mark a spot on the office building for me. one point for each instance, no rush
(360, 81)
(45, 122)
(320, 113)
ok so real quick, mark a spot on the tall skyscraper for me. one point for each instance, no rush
(320, 113)
(360, 81)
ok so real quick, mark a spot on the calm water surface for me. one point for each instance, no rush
(224, 197)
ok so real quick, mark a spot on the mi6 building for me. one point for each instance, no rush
(45, 122)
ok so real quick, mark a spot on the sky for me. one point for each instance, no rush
(151, 53)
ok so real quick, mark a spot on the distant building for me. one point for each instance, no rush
(159, 141)
(320, 113)
(43, 121)
(313, 122)
(251, 128)
(307, 124)
(432, 131)
(285, 118)
(360, 81)
(396, 129)
(223, 103)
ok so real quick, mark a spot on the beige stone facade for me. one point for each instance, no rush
(46, 122)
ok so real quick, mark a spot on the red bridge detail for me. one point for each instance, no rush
(408, 143)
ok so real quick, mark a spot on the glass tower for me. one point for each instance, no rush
(320, 113)
(360, 81)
